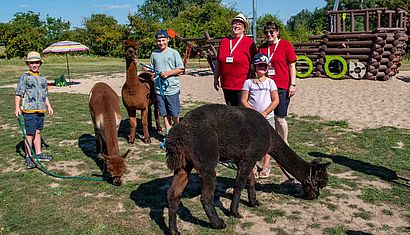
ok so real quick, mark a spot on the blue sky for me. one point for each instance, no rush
(76, 10)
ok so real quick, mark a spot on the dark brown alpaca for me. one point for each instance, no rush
(106, 116)
(213, 133)
(138, 93)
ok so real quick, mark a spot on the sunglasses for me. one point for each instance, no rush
(270, 32)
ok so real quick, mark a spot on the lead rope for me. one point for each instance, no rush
(42, 167)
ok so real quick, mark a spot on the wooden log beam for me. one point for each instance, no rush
(348, 50)
(301, 44)
(349, 43)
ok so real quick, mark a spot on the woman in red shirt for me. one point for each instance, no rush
(282, 70)
(233, 62)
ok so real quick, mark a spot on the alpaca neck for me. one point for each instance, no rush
(132, 72)
(288, 159)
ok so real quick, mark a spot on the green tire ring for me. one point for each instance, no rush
(310, 64)
(330, 58)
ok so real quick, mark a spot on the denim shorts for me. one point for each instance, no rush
(169, 105)
(33, 122)
(282, 109)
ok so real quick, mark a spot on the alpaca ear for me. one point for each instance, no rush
(125, 43)
(125, 154)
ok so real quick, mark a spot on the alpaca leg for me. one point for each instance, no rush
(98, 144)
(133, 125)
(157, 118)
(149, 118)
(244, 169)
(208, 183)
(179, 182)
(144, 116)
(250, 186)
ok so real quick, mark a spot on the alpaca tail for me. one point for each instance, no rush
(175, 150)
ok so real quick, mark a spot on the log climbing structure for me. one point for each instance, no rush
(373, 51)
(362, 44)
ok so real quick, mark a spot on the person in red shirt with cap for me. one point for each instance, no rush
(282, 70)
(232, 66)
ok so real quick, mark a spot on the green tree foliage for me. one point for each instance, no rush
(57, 29)
(210, 16)
(103, 35)
(24, 33)
(163, 10)
(306, 23)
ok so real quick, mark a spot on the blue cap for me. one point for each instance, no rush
(260, 59)
(162, 33)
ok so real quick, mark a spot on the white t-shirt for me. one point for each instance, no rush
(259, 94)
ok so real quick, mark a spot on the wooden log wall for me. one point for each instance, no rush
(380, 51)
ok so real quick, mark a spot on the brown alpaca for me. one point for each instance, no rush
(215, 132)
(138, 93)
(106, 116)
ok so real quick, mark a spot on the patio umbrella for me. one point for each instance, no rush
(65, 47)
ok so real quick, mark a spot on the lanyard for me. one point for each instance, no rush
(234, 47)
(269, 55)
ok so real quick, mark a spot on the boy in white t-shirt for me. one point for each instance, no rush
(261, 94)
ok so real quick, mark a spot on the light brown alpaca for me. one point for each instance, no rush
(106, 116)
(138, 93)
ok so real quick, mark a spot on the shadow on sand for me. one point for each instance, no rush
(153, 195)
(125, 129)
(363, 167)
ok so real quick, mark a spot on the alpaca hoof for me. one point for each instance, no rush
(220, 224)
(255, 204)
(237, 215)
(174, 232)
(131, 141)
(147, 140)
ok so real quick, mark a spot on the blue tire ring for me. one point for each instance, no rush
(330, 58)
(310, 64)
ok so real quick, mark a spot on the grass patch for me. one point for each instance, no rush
(140, 205)
(337, 230)
(366, 215)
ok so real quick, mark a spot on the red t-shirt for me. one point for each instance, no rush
(281, 59)
(234, 74)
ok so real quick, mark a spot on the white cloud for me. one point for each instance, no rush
(108, 6)
(24, 5)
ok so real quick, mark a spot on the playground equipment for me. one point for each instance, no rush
(362, 44)
(371, 52)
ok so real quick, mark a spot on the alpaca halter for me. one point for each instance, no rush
(309, 179)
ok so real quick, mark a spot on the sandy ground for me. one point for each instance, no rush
(364, 103)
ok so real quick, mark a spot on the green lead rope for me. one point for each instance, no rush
(42, 167)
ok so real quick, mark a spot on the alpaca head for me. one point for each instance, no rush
(131, 49)
(316, 180)
(116, 167)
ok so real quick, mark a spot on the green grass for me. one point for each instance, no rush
(33, 203)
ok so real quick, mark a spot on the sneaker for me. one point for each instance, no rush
(163, 144)
(44, 157)
(29, 163)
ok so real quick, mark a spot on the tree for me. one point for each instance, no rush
(57, 29)
(104, 35)
(162, 10)
(25, 32)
